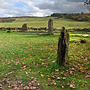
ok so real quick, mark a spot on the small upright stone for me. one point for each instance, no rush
(9, 30)
(24, 27)
(63, 45)
(50, 27)
(82, 41)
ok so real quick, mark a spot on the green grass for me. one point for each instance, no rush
(43, 22)
(26, 55)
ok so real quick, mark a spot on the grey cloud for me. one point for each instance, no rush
(64, 6)
(76, 0)
(40, 7)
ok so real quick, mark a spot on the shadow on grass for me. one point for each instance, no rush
(80, 36)
(80, 32)
(73, 41)
(36, 35)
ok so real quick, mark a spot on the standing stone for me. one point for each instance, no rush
(63, 45)
(9, 30)
(50, 27)
(24, 27)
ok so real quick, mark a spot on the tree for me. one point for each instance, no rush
(87, 4)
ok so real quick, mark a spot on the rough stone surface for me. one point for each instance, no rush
(9, 30)
(63, 45)
(50, 27)
(24, 27)
(82, 41)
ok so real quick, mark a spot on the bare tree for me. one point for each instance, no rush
(87, 4)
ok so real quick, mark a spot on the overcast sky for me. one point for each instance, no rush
(39, 7)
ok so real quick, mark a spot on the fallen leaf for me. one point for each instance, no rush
(88, 76)
(42, 75)
(72, 86)
(51, 83)
(56, 70)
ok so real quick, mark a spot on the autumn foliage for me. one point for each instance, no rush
(75, 16)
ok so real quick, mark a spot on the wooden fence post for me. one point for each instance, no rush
(50, 27)
(63, 45)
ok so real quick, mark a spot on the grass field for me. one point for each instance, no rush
(29, 59)
(43, 22)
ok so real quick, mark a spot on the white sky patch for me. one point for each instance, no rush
(52, 2)
(40, 13)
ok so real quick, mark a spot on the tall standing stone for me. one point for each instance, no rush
(63, 45)
(50, 27)
(24, 27)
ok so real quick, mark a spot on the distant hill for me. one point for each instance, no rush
(4, 20)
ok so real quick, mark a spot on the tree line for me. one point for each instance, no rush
(75, 16)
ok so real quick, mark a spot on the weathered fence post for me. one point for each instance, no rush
(50, 27)
(63, 45)
(24, 27)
